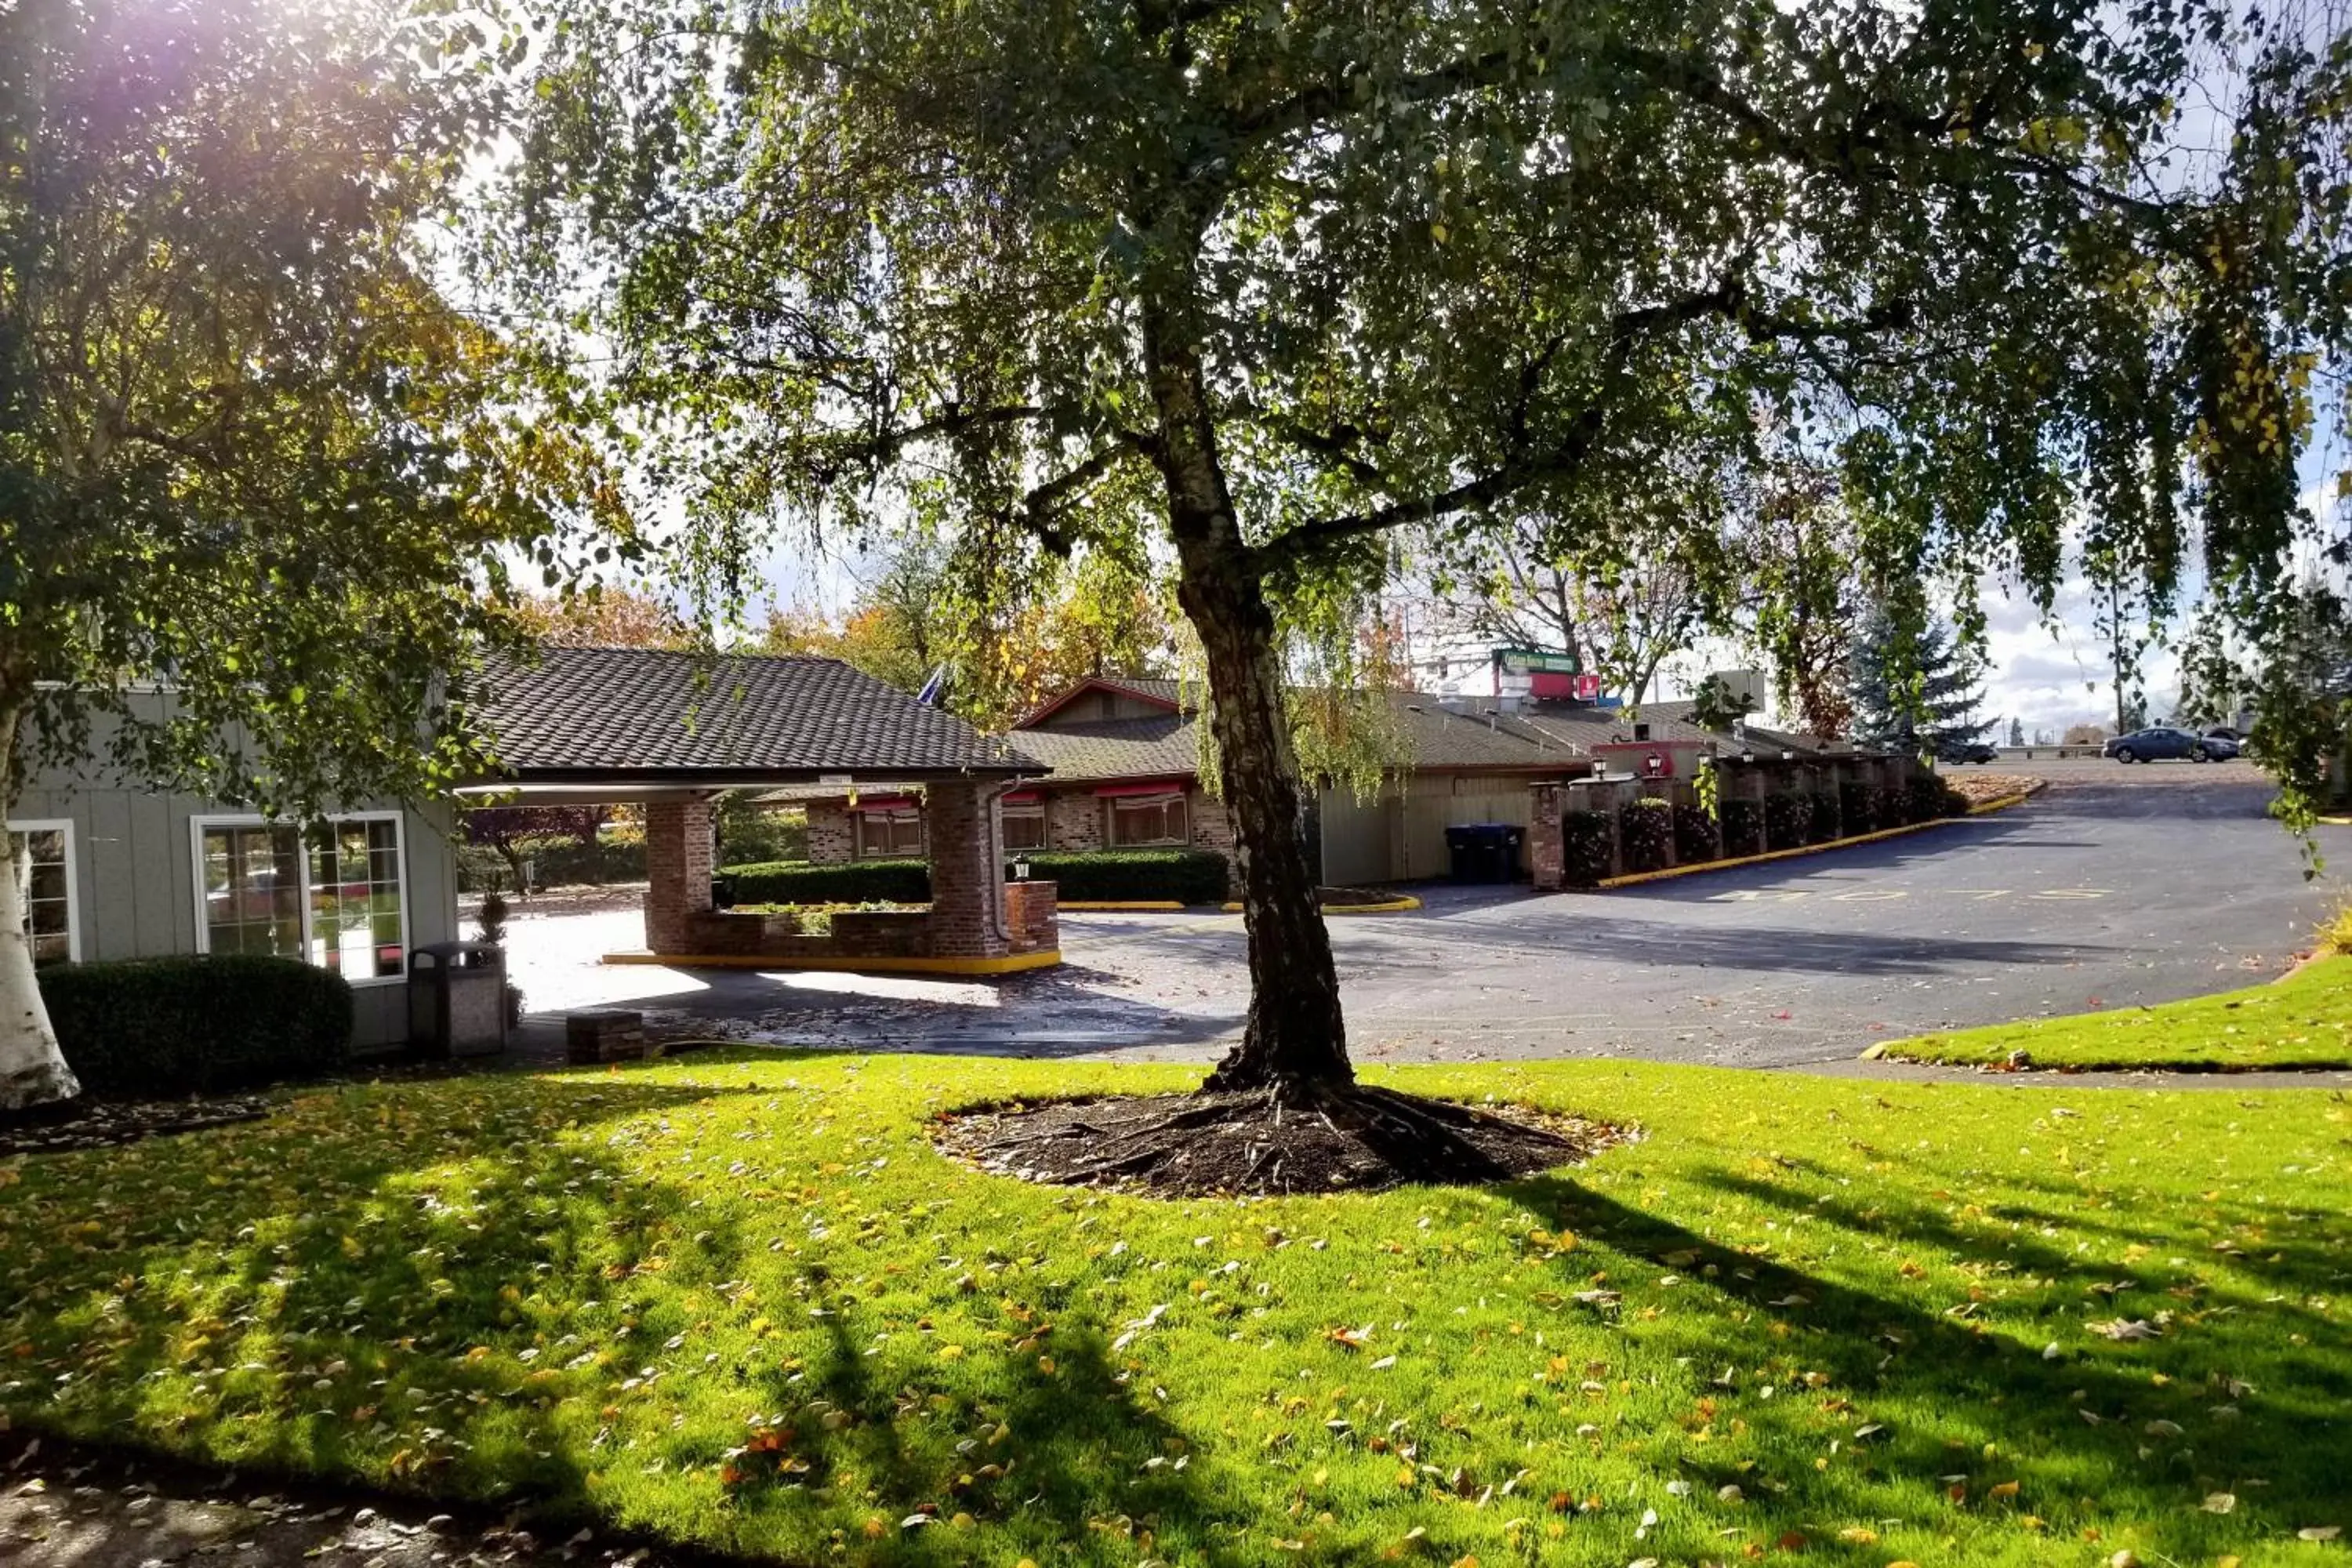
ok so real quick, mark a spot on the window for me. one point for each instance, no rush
(1150, 819)
(1024, 827)
(40, 857)
(337, 902)
(895, 835)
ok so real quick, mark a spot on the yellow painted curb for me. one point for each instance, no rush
(1635, 879)
(1119, 906)
(1386, 907)
(1011, 963)
(2334, 821)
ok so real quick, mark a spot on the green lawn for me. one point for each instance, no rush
(2302, 1021)
(740, 1301)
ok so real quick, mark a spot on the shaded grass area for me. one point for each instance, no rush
(742, 1301)
(2302, 1021)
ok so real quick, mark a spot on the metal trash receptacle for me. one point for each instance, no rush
(457, 999)
(1484, 851)
(1465, 855)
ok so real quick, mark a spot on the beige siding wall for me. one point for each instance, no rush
(1097, 707)
(1401, 836)
(135, 883)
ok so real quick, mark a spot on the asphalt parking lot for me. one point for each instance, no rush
(2116, 887)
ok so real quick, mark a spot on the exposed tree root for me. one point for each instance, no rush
(1295, 1139)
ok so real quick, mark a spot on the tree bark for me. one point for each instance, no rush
(1295, 1041)
(33, 1070)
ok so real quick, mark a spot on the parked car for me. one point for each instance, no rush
(2164, 740)
(1967, 752)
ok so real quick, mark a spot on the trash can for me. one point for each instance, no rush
(722, 892)
(1484, 851)
(457, 999)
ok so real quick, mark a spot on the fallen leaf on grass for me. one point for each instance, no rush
(2127, 1329)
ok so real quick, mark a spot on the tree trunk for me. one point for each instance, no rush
(33, 1071)
(1295, 1041)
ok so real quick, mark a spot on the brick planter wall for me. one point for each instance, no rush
(1545, 866)
(1030, 915)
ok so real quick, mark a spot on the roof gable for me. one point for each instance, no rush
(1165, 695)
(594, 714)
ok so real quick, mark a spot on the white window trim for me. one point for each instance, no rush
(1112, 807)
(73, 874)
(197, 825)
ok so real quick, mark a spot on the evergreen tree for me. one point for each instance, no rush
(1913, 690)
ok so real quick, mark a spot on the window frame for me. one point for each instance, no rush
(1135, 803)
(197, 825)
(893, 819)
(64, 824)
(1027, 811)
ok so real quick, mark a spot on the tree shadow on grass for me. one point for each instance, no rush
(1918, 1409)
(356, 1286)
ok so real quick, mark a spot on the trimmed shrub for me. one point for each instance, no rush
(1645, 831)
(1861, 805)
(1825, 817)
(1743, 829)
(1930, 797)
(1788, 820)
(1583, 848)
(851, 882)
(1122, 876)
(158, 1027)
(1085, 876)
(555, 863)
(1694, 840)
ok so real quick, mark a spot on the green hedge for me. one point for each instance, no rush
(1085, 876)
(1825, 817)
(555, 863)
(1584, 839)
(1121, 876)
(192, 1025)
(1645, 833)
(1695, 841)
(1930, 797)
(1788, 820)
(1743, 829)
(851, 882)
(1863, 806)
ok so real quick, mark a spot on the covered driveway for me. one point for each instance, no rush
(673, 731)
(2102, 892)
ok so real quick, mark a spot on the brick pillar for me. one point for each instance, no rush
(678, 872)
(1546, 868)
(966, 872)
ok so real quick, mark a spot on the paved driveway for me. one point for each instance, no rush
(2115, 887)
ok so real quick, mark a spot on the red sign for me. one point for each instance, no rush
(1588, 688)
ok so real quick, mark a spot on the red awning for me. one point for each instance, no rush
(1023, 797)
(1165, 786)
(887, 803)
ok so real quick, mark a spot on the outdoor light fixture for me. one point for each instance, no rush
(1021, 870)
(1788, 756)
(1746, 756)
(1656, 762)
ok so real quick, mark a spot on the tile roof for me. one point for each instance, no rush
(1162, 746)
(588, 714)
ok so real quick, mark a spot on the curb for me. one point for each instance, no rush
(1120, 906)
(1386, 907)
(1635, 879)
(1011, 964)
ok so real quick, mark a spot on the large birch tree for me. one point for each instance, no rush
(1273, 278)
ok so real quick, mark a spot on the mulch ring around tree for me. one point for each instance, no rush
(97, 1124)
(1248, 1144)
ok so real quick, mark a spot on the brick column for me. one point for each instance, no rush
(678, 872)
(1545, 866)
(966, 872)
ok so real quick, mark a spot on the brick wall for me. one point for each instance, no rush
(831, 834)
(965, 873)
(678, 872)
(1074, 820)
(1030, 916)
(1212, 829)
